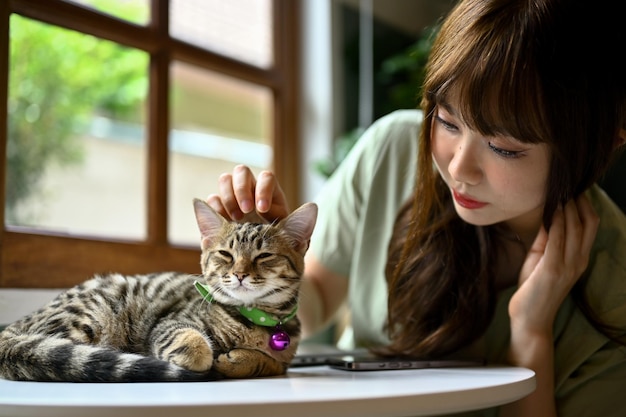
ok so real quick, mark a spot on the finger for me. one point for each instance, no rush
(573, 233)
(540, 242)
(554, 251)
(243, 184)
(534, 256)
(264, 193)
(215, 201)
(227, 197)
(590, 221)
(270, 198)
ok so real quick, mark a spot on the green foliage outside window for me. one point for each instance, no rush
(58, 80)
(402, 75)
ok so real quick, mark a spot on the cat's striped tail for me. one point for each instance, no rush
(52, 359)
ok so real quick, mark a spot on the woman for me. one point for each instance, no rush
(505, 249)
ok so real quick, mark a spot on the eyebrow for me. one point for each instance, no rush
(454, 113)
(447, 107)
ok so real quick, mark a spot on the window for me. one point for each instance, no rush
(116, 113)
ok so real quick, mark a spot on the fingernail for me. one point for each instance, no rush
(247, 206)
(262, 206)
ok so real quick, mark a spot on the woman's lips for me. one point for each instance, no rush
(467, 202)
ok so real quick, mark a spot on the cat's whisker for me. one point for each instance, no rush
(267, 229)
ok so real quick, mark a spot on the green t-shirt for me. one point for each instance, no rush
(358, 206)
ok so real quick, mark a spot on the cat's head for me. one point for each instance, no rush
(254, 263)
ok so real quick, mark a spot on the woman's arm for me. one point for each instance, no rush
(321, 295)
(554, 263)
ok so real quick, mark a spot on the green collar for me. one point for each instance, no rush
(255, 315)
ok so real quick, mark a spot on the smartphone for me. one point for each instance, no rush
(369, 363)
(313, 354)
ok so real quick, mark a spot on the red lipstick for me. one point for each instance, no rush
(467, 202)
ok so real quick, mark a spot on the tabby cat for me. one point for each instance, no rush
(237, 321)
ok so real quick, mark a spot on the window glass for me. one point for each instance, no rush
(239, 29)
(75, 151)
(135, 11)
(217, 122)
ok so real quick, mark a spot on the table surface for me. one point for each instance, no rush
(308, 391)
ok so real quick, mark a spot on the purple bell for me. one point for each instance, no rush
(279, 340)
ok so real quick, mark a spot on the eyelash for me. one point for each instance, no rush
(505, 153)
(446, 125)
(262, 256)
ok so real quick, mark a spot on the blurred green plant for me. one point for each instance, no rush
(403, 77)
(403, 74)
(58, 80)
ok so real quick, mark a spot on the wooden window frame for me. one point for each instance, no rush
(32, 259)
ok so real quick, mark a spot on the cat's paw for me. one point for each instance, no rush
(190, 350)
(247, 363)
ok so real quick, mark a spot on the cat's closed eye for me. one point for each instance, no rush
(262, 256)
(225, 255)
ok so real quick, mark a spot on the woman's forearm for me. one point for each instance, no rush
(536, 352)
(310, 309)
(322, 293)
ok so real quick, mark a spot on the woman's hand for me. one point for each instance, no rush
(556, 260)
(554, 263)
(241, 194)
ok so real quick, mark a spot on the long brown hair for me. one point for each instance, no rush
(514, 68)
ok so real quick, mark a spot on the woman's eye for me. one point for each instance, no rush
(446, 125)
(504, 152)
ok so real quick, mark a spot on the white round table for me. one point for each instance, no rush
(315, 391)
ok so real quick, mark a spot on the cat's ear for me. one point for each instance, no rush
(209, 221)
(299, 225)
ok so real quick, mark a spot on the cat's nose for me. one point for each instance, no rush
(240, 276)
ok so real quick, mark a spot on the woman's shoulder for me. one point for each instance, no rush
(584, 356)
(606, 288)
(612, 229)
(403, 116)
(392, 137)
(398, 122)
(389, 144)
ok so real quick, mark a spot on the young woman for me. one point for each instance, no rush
(495, 242)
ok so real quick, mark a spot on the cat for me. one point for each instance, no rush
(237, 320)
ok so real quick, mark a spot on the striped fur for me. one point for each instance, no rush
(157, 327)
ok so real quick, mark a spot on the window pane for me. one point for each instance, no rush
(135, 11)
(240, 29)
(217, 123)
(75, 151)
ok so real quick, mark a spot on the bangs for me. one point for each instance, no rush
(491, 80)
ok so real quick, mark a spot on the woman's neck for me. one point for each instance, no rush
(511, 255)
(524, 229)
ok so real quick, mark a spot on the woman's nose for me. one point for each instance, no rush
(464, 166)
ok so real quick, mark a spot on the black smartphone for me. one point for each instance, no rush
(313, 354)
(369, 363)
